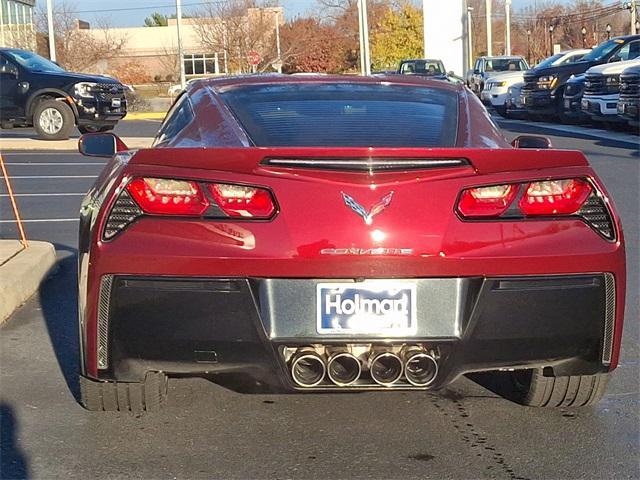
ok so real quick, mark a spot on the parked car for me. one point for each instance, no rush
(514, 106)
(543, 93)
(343, 234)
(572, 99)
(423, 67)
(629, 101)
(602, 91)
(486, 67)
(495, 89)
(37, 92)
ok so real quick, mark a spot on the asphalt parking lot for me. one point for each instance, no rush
(207, 431)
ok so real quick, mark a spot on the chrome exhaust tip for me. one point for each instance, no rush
(420, 368)
(343, 369)
(386, 368)
(307, 368)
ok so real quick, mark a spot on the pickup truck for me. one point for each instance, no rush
(486, 67)
(37, 92)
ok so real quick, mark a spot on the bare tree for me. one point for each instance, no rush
(236, 28)
(79, 48)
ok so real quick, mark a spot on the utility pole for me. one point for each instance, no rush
(489, 39)
(424, 28)
(634, 14)
(469, 39)
(507, 7)
(279, 65)
(52, 37)
(363, 26)
(224, 46)
(183, 81)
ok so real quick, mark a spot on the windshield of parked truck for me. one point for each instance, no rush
(602, 51)
(32, 61)
(505, 65)
(547, 62)
(422, 67)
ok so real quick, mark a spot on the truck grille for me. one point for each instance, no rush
(107, 91)
(597, 85)
(630, 85)
(530, 83)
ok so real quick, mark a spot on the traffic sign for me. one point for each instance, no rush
(254, 58)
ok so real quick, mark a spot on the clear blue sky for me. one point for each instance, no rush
(123, 15)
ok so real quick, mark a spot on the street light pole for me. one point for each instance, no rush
(279, 65)
(183, 81)
(489, 39)
(507, 7)
(469, 39)
(363, 27)
(529, 47)
(52, 37)
(634, 13)
(224, 46)
(584, 37)
(551, 27)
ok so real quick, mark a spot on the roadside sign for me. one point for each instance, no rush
(254, 58)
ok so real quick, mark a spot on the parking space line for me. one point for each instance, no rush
(44, 220)
(56, 163)
(23, 177)
(43, 194)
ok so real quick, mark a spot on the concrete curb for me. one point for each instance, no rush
(32, 144)
(22, 274)
(145, 116)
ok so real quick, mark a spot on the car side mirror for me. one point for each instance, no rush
(531, 141)
(476, 72)
(614, 59)
(100, 145)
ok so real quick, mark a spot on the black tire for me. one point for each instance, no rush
(95, 128)
(60, 129)
(531, 388)
(148, 396)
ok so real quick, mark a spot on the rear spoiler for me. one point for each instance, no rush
(248, 159)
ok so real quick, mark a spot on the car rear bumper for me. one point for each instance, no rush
(241, 327)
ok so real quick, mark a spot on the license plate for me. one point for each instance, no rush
(585, 104)
(116, 102)
(370, 307)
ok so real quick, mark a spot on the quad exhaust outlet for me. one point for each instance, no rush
(362, 366)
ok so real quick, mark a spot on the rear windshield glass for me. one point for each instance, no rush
(345, 115)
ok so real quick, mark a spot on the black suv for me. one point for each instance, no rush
(37, 92)
(544, 88)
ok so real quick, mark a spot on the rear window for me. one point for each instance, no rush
(345, 115)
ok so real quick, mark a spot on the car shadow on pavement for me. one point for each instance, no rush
(58, 299)
(13, 462)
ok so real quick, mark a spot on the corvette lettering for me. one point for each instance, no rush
(367, 251)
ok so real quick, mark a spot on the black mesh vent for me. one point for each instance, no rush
(123, 213)
(595, 213)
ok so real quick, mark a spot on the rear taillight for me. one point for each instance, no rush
(575, 197)
(161, 196)
(187, 198)
(554, 197)
(490, 201)
(243, 201)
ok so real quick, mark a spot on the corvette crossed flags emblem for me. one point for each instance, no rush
(360, 210)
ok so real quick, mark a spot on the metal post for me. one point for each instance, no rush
(52, 37)
(469, 38)
(489, 39)
(529, 47)
(224, 47)
(183, 81)
(365, 29)
(424, 28)
(507, 8)
(278, 41)
(361, 38)
(634, 13)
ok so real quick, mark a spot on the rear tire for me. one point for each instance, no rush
(532, 388)
(53, 120)
(149, 395)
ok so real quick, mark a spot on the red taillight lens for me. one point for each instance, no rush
(162, 196)
(486, 201)
(243, 201)
(554, 197)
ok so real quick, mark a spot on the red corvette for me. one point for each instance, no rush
(320, 233)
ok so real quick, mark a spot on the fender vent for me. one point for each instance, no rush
(124, 212)
(103, 321)
(609, 318)
(596, 214)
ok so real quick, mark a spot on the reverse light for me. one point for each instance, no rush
(490, 201)
(554, 197)
(162, 196)
(243, 201)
